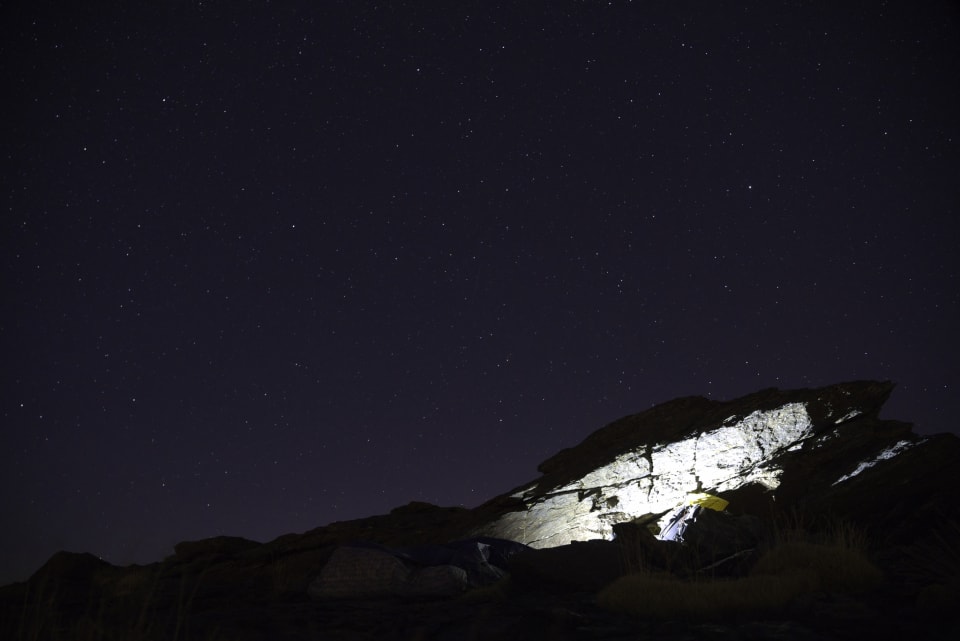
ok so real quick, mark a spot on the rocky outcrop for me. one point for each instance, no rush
(823, 452)
(801, 447)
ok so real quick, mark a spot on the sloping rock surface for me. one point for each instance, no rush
(772, 449)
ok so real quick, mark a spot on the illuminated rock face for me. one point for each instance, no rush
(649, 462)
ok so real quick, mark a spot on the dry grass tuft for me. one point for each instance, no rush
(837, 568)
(935, 557)
(834, 561)
(658, 597)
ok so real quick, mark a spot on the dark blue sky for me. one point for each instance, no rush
(268, 266)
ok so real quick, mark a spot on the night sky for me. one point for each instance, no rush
(269, 266)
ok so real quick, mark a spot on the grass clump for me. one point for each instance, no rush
(657, 597)
(837, 568)
(790, 569)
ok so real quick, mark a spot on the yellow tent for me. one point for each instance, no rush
(707, 500)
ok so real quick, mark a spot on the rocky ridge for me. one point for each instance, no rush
(649, 462)
(823, 452)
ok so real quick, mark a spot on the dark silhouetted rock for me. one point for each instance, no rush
(813, 454)
(581, 565)
(219, 546)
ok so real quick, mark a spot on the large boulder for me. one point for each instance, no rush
(824, 449)
(364, 571)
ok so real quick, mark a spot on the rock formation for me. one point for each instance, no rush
(801, 447)
(822, 452)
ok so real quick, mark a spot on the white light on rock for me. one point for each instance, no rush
(886, 454)
(657, 478)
